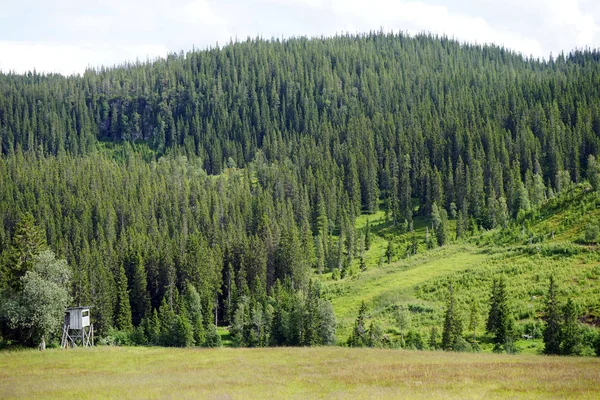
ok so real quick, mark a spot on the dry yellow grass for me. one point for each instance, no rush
(292, 373)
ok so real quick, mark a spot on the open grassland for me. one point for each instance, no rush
(395, 282)
(291, 373)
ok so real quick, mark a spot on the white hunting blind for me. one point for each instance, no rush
(77, 328)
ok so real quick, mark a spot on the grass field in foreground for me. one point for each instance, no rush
(138, 372)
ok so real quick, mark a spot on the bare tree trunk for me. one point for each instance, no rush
(216, 309)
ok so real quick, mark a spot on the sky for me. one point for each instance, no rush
(67, 36)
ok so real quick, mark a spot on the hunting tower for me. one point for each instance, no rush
(77, 329)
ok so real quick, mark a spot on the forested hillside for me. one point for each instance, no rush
(209, 187)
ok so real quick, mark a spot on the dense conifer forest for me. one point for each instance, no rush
(208, 188)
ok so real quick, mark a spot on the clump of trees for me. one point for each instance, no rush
(35, 290)
(563, 333)
(288, 318)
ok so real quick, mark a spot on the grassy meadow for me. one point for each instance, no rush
(140, 372)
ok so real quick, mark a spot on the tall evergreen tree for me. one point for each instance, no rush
(452, 331)
(123, 308)
(28, 241)
(570, 332)
(359, 335)
(138, 295)
(593, 172)
(500, 323)
(553, 322)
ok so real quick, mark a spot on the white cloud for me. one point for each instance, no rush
(416, 17)
(200, 11)
(68, 59)
(69, 35)
(578, 28)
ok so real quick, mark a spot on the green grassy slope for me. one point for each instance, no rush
(544, 242)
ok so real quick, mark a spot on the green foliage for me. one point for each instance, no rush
(552, 332)
(182, 334)
(123, 308)
(593, 172)
(213, 339)
(193, 305)
(138, 295)
(500, 322)
(403, 322)
(359, 336)
(591, 233)
(114, 337)
(375, 335)
(433, 338)
(570, 333)
(37, 310)
(452, 332)
(28, 241)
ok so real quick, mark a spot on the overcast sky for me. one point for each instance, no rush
(66, 36)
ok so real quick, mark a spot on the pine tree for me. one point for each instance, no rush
(474, 320)
(140, 300)
(166, 317)
(359, 335)
(593, 172)
(213, 339)
(439, 217)
(375, 335)
(403, 322)
(500, 322)
(28, 241)
(452, 323)
(502, 213)
(553, 323)
(193, 305)
(183, 333)
(405, 199)
(389, 252)
(151, 326)
(433, 338)
(123, 308)
(570, 332)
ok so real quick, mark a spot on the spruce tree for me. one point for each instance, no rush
(570, 332)
(553, 321)
(140, 300)
(403, 322)
(433, 338)
(389, 252)
(593, 172)
(367, 236)
(359, 335)
(28, 241)
(213, 339)
(500, 323)
(474, 319)
(123, 308)
(193, 305)
(452, 331)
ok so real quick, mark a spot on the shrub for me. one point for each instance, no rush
(591, 233)
(115, 337)
(213, 339)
